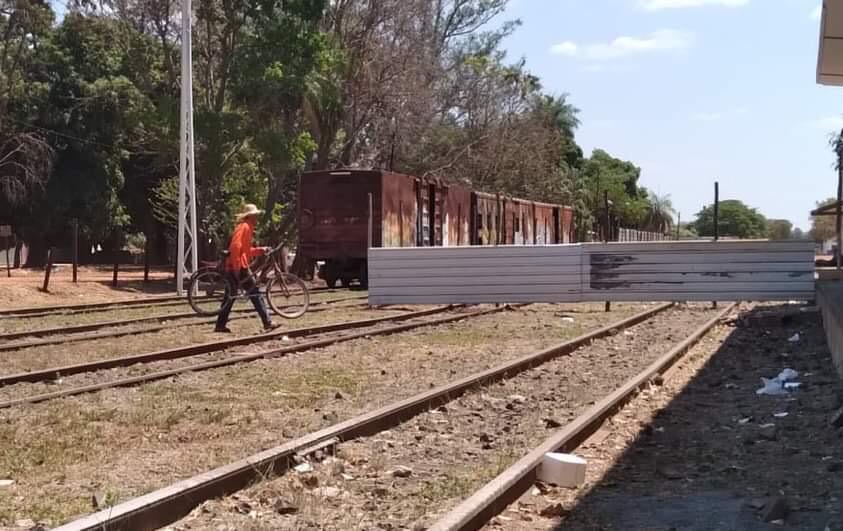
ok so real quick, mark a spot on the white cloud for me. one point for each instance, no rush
(817, 12)
(718, 115)
(565, 48)
(658, 5)
(623, 46)
(707, 116)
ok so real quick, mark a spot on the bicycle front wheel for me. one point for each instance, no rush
(287, 295)
(207, 291)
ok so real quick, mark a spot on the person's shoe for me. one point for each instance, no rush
(223, 330)
(270, 326)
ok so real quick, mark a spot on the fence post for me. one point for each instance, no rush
(146, 260)
(606, 236)
(114, 272)
(75, 249)
(678, 224)
(47, 271)
(8, 264)
(716, 220)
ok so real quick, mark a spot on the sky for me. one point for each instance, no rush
(693, 92)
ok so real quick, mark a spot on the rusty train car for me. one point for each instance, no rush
(407, 211)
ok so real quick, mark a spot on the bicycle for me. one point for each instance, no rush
(285, 293)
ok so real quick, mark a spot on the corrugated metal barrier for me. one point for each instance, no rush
(649, 271)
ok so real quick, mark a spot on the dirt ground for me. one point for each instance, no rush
(705, 452)
(23, 289)
(174, 334)
(94, 285)
(448, 452)
(124, 442)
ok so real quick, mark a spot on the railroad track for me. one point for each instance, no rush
(363, 329)
(78, 329)
(167, 505)
(169, 300)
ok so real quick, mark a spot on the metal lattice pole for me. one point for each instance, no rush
(188, 259)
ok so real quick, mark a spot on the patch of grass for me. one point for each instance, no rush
(447, 488)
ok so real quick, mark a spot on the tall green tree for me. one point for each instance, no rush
(735, 220)
(779, 229)
(659, 215)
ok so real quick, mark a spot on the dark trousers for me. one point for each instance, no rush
(248, 284)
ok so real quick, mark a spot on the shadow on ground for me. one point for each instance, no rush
(711, 461)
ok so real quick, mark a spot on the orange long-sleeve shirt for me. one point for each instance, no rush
(240, 249)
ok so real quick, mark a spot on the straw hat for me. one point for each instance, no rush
(249, 210)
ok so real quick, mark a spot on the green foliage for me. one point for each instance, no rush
(822, 227)
(629, 203)
(779, 229)
(735, 220)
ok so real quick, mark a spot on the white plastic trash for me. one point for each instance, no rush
(794, 338)
(787, 375)
(563, 470)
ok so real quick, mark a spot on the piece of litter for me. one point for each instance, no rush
(768, 425)
(779, 385)
(564, 470)
(285, 338)
(567, 319)
(303, 468)
(791, 385)
(6, 482)
(794, 338)
(745, 421)
(781, 415)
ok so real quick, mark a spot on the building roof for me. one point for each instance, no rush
(830, 56)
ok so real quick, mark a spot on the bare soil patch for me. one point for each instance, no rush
(405, 477)
(125, 442)
(177, 333)
(706, 452)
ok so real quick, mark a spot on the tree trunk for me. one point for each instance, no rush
(18, 251)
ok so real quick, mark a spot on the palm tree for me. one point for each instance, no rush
(659, 216)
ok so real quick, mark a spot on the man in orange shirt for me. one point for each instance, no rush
(237, 270)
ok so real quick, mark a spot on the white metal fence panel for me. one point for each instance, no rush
(650, 271)
(678, 271)
(428, 275)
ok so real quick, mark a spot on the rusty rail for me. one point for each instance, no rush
(106, 335)
(82, 308)
(76, 329)
(507, 487)
(166, 505)
(201, 348)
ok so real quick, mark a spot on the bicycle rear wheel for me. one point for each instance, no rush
(287, 295)
(207, 291)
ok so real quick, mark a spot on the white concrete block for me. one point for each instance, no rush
(564, 470)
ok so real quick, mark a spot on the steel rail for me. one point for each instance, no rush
(495, 496)
(82, 308)
(77, 329)
(164, 506)
(7, 347)
(20, 312)
(246, 358)
(54, 373)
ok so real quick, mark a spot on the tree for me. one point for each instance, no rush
(779, 229)
(822, 227)
(25, 156)
(603, 172)
(659, 215)
(735, 220)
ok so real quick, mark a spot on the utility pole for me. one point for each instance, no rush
(188, 260)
